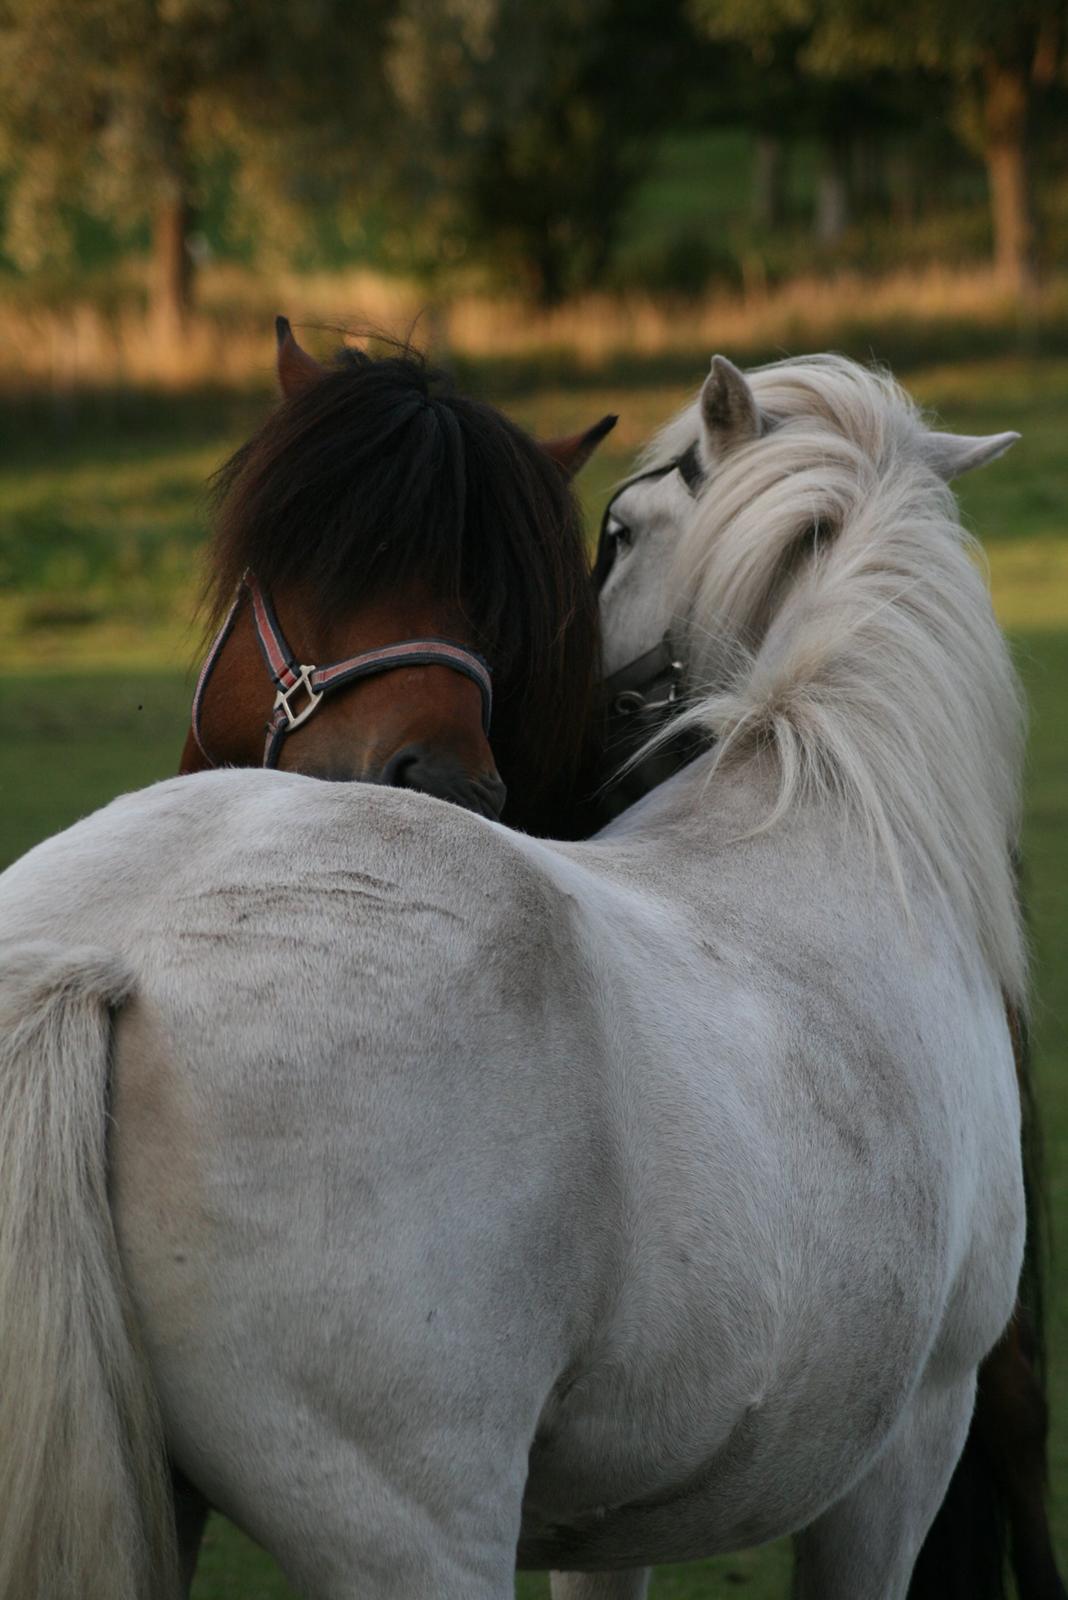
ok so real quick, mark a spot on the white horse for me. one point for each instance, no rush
(431, 1193)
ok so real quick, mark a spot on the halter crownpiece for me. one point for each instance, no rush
(301, 686)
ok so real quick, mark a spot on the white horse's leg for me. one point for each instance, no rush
(348, 1523)
(865, 1546)
(601, 1585)
(383, 1546)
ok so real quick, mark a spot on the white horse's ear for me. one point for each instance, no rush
(730, 415)
(950, 454)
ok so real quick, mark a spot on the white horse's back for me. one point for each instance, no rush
(436, 1149)
(345, 1116)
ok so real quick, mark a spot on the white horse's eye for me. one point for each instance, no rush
(619, 533)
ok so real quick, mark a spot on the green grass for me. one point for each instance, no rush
(102, 517)
(100, 530)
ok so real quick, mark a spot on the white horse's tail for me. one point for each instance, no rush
(85, 1505)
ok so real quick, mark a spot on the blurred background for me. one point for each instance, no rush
(573, 206)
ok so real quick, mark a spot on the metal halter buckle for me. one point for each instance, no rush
(295, 719)
(631, 702)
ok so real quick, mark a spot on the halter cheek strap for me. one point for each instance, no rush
(641, 696)
(209, 667)
(636, 701)
(301, 686)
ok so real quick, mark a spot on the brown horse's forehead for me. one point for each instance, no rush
(409, 612)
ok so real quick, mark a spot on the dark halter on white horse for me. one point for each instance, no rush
(301, 686)
(640, 696)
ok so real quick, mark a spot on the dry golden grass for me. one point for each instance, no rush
(807, 312)
(228, 340)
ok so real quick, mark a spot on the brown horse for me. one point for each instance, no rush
(410, 558)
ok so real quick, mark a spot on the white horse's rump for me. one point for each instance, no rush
(616, 1203)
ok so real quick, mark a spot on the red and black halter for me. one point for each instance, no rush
(306, 685)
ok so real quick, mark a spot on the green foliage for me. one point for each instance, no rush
(532, 124)
(120, 108)
(986, 63)
(851, 38)
(897, 58)
(490, 127)
(503, 142)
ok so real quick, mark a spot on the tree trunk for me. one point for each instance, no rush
(1006, 108)
(832, 192)
(769, 171)
(550, 268)
(903, 184)
(869, 174)
(172, 265)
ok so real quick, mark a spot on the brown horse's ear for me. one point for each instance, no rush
(297, 370)
(572, 453)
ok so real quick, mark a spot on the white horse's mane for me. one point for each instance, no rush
(834, 612)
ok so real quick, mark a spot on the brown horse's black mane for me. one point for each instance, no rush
(380, 475)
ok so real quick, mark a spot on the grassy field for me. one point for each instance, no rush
(100, 529)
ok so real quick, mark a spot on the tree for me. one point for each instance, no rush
(994, 57)
(1013, 60)
(533, 123)
(998, 58)
(112, 104)
(781, 90)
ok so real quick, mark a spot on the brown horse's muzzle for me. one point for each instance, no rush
(419, 766)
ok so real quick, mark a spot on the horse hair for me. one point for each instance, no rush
(875, 672)
(85, 1501)
(381, 476)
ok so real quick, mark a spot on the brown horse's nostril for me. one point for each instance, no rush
(402, 770)
(419, 767)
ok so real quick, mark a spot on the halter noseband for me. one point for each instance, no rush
(301, 687)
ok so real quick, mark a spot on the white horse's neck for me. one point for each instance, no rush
(836, 619)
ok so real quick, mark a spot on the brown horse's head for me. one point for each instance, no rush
(377, 508)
